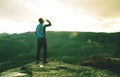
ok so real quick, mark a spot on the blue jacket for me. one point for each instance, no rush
(40, 30)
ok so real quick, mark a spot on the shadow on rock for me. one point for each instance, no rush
(112, 64)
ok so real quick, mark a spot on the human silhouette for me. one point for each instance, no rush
(41, 40)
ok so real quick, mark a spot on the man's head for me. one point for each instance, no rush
(41, 20)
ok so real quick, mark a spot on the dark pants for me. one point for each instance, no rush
(42, 43)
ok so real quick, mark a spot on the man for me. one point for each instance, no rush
(41, 40)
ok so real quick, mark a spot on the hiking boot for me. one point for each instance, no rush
(45, 62)
(37, 62)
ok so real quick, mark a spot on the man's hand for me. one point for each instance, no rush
(49, 23)
(47, 20)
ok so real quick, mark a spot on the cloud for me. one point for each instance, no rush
(16, 9)
(84, 15)
(101, 8)
(22, 9)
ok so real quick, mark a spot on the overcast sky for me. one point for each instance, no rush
(18, 16)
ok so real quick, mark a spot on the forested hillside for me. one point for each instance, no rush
(69, 47)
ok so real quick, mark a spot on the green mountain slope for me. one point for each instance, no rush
(68, 47)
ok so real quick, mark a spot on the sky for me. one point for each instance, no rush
(19, 16)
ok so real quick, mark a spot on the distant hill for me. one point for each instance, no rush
(70, 47)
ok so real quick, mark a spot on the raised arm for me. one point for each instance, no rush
(49, 23)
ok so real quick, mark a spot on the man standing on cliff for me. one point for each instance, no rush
(41, 40)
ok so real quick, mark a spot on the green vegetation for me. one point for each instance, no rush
(16, 49)
(69, 47)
